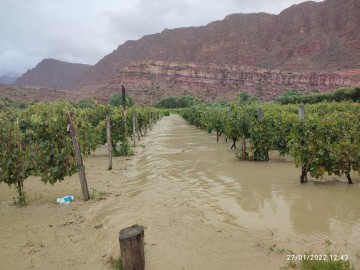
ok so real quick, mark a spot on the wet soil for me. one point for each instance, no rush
(200, 206)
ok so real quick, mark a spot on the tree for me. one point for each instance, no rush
(85, 103)
(116, 100)
(290, 96)
(186, 101)
(243, 98)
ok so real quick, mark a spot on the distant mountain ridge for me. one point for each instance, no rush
(312, 46)
(311, 36)
(51, 73)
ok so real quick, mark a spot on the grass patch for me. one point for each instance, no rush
(141, 145)
(97, 195)
(21, 199)
(115, 264)
(326, 265)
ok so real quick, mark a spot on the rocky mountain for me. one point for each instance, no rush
(310, 47)
(51, 73)
(309, 37)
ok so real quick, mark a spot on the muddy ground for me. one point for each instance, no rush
(195, 217)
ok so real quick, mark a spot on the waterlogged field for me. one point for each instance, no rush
(201, 207)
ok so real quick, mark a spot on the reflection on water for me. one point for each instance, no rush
(251, 195)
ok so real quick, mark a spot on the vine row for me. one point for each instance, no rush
(35, 141)
(326, 140)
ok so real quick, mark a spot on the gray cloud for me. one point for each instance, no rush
(84, 31)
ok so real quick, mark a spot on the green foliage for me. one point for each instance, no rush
(328, 264)
(21, 198)
(6, 102)
(292, 93)
(328, 141)
(34, 141)
(46, 136)
(341, 94)
(96, 195)
(116, 100)
(243, 98)
(86, 103)
(319, 265)
(289, 97)
(16, 161)
(115, 264)
(176, 102)
(125, 148)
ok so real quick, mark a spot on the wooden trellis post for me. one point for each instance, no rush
(132, 248)
(80, 164)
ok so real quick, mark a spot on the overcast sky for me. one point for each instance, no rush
(84, 31)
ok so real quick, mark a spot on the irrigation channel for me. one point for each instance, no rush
(201, 207)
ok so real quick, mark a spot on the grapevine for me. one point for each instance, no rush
(327, 141)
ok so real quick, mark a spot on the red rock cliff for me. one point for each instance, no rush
(308, 37)
(149, 81)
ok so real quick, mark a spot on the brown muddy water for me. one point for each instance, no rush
(201, 207)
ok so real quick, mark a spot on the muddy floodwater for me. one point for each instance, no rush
(202, 209)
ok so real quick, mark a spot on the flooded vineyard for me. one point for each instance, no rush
(201, 207)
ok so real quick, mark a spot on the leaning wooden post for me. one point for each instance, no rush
(134, 127)
(108, 136)
(303, 171)
(80, 164)
(132, 248)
